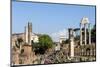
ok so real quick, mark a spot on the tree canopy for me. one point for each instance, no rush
(45, 42)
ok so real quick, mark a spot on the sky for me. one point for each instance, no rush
(51, 19)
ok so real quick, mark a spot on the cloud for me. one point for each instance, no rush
(55, 36)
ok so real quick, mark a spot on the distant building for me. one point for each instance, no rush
(62, 38)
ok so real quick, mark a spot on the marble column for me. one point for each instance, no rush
(26, 34)
(72, 48)
(85, 33)
(29, 33)
(71, 38)
(89, 29)
(80, 34)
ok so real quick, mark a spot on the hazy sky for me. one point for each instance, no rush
(52, 19)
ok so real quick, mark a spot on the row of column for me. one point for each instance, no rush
(86, 26)
(90, 52)
(85, 23)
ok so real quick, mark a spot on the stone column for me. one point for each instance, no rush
(85, 34)
(89, 29)
(71, 38)
(26, 34)
(91, 53)
(30, 38)
(72, 47)
(80, 34)
(29, 32)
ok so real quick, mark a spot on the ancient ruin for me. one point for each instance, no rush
(75, 50)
